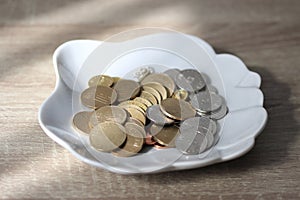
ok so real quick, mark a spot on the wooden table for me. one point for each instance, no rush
(265, 34)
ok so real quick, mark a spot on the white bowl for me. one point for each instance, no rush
(237, 131)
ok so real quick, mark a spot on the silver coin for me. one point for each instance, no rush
(190, 80)
(156, 116)
(210, 139)
(211, 88)
(199, 124)
(172, 73)
(219, 114)
(191, 143)
(206, 102)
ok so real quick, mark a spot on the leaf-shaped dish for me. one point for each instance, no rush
(245, 120)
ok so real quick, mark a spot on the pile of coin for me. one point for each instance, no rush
(173, 109)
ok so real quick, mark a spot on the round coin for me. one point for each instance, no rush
(154, 92)
(135, 130)
(159, 87)
(143, 100)
(126, 89)
(172, 73)
(165, 135)
(163, 79)
(180, 94)
(190, 80)
(199, 124)
(107, 136)
(159, 146)
(103, 80)
(149, 140)
(99, 96)
(81, 121)
(147, 95)
(212, 89)
(137, 103)
(177, 109)
(219, 114)
(137, 114)
(210, 140)
(133, 120)
(131, 147)
(156, 116)
(206, 102)
(108, 113)
(191, 142)
(126, 106)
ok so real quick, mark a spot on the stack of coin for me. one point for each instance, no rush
(173, 109)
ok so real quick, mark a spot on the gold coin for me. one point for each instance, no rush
(108, 113)
(99, 96)
(143, 100)
(177, 109)
(180, 94)
(133, 120)
(147, 95)
(81, 121)
(137, 103)
(103, 80)
(126, 89)
(116, 79)
(154, 92)
(165, 135)
(134, 142)
(125, 106)
(135, 113)
(135, 130)
(159, 87)
(107, 136)
(163, 79)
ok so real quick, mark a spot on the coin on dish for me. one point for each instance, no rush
(180, 94)
(126, 89)
(163, 79)
(154, 92)
(159, 87)
(98, 96)
(147, 95)
(190, 80)
(156, 116)
(143, 100)
(177, 109)
(107, 136)
(103, 80)
(108, 113)
(81, 121)
(165, 135)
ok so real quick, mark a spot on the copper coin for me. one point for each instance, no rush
(177, 109)
(149, 140)
(81, 121)
(108, 113)
(107, 136)
(102, 80)
(163, 79)
(126, 89)
(99, 96)
(165, 135)
(159, 146)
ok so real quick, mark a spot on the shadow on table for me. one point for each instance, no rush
(271, 147)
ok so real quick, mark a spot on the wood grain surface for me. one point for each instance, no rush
(264, 33)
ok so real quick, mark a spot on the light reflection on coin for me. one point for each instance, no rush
(219, 114)
(137, 114)
(180, 94)
(81, 121)
(107, 136)
(143, 100)
(133, 120)
(190, 80)
(137, 103)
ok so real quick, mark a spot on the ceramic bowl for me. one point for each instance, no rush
(236, 132)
